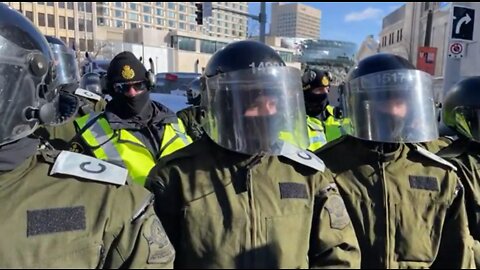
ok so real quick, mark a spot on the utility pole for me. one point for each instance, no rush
(261, 17)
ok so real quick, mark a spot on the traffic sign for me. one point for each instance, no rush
(463, 23)
(456, 50)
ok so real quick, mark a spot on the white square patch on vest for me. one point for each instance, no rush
(70, 163)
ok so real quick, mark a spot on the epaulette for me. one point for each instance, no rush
(424, 152)
(86, 167)
(303, 157)
(87, 94)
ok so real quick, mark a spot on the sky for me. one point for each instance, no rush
(340, 21)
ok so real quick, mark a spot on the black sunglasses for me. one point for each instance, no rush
(125, 87)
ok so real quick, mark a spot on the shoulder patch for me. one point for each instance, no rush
(160, 250)
(82, 166)
(337, 212)
(303, 157)
(87, 94)
(424, 152)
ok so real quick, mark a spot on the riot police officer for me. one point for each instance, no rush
(192, 115)
(461, 113)
(67, 214)
(241, 196)
(406, 204)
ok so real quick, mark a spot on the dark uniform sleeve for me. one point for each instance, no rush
(137, 237)
(78, 145)
(456, 245)
(190, 117)
(333, 243)
(163, 182)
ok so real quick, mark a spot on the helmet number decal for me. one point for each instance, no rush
(262, 66)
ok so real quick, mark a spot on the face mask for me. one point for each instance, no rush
(127, 107)
(315, 103)
(261, 131)
(395, 124)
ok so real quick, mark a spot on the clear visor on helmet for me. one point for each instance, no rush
(392, 106)
(467, 122)
(66, 70)
(18, 91)
(256, 110)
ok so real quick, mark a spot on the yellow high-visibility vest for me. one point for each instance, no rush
(122, 148)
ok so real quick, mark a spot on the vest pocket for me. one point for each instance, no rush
(418, 229)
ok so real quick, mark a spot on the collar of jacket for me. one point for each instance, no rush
(375, 151)
(161, 115)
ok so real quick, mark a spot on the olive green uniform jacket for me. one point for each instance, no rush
(63, 222)
(407, 206)
(465, 154)
(222, 209)
(191, 116)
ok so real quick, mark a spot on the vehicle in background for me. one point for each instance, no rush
(173, 102)
(174, 83)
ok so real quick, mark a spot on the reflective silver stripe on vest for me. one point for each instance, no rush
(180, 134)
(106, 144)
(315, 126)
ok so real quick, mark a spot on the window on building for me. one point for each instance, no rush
(186, 43)
(171, 5)
(81, 6)
(89, 26)
(133, 25)
(51, 20)
(182, 26)
(147, 19)
(133, 6)
(119, 4)
(71, 23)
(181, 17)
(72, 43)
(160, 21)
(172, 14)
(50, 4)
(90, 46)
(119, 23)
(159, 12)
(61, 4)
(208, 46)
(29, 15)
(81, 25)
(119, 14)
(41, 3)
(82, 45)
(401, 34)
(88, 7)
(172, 24)
(159, 4)
(103, 11)
(101, 21)
(41, 19)
(193, 27)
(182, 8)
(147, 9)
(133, 16)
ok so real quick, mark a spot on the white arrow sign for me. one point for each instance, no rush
(465, 19)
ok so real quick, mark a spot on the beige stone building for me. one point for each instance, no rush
(295, 20)
(73, 22)
(174, 16)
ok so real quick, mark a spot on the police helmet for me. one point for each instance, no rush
(91, 82)
(249, 95)
(389, 100)
(461, 108)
